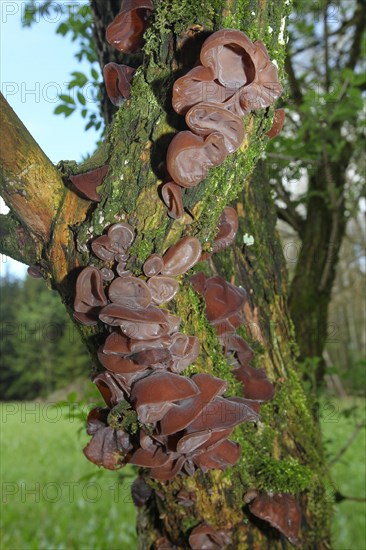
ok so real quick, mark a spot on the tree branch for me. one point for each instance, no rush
(296, 92)
(15, 241)
(30, 184)
(360, 20)
(347, 444)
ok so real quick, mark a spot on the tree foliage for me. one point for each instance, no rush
(40, 348)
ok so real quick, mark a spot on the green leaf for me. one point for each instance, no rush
(67, 99)
(64, 109)
(81, 98)
(62, 29)
(95, 74)
(79, 78)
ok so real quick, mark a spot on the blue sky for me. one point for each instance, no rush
(35, 65)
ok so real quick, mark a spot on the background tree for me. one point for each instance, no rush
(322, 147)
(51, 226)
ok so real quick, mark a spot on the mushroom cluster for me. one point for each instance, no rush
(234, 77)
(125, 33)
(179, 423)
(224, 304)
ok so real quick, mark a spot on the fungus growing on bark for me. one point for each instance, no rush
(197, 86)
(205, 118)
(281, 510)
(256, 384)
(117, 80)
(163, 289)
(88, 182)
(139, 324)
(90, 297)
(229, 55)
(183, 413)
(126, 31)
(180, 257)
(153, 265)
(189, 157)
(278, 122)
(131, 292)
(205, 537)
(228, 228)
(35, 272)
(121, 236)
(152, 397)
(101, 247)
(107, 445)
(172, 197)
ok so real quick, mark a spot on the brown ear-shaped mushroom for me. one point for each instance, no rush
(222, 413)
(229, 55)
(205, 118)
(130, 292)
(278, 122)
(180, 257)
(222, 299)
(158, 358)
(119, 364)
(282, 511)
(169, 470)
(163, 289)
(153, 265)
(224, 455)
(117, 80)
(107, 274)
(256, 384)
(88, 182)
(108, 446)
(90, 297)
(34, 272)
(117, 344)
(196, 86)
(182, 414)
(149, 458)
(153, 396)
(265, 88)
(126, 31)
(198, 281)
(172, 197)
(228, 228)
(189, 157)
(206, 537)
(139, 324)
(109, 387)
(121, 236)
(101, 247)
(189, 357)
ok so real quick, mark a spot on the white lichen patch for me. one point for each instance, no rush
(126, 162)
(275, 63)
(248, 239)
(269, 29)
(281, 36)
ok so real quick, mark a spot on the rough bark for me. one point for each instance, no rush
(283, 453)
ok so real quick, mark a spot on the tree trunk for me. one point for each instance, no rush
(283, 453)
(311, 288)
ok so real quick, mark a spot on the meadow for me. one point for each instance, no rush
(54, 499)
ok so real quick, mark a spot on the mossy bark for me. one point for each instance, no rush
(283, 453)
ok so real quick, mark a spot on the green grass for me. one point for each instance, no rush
(74, 505)
(96, 512)
(339, 418)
